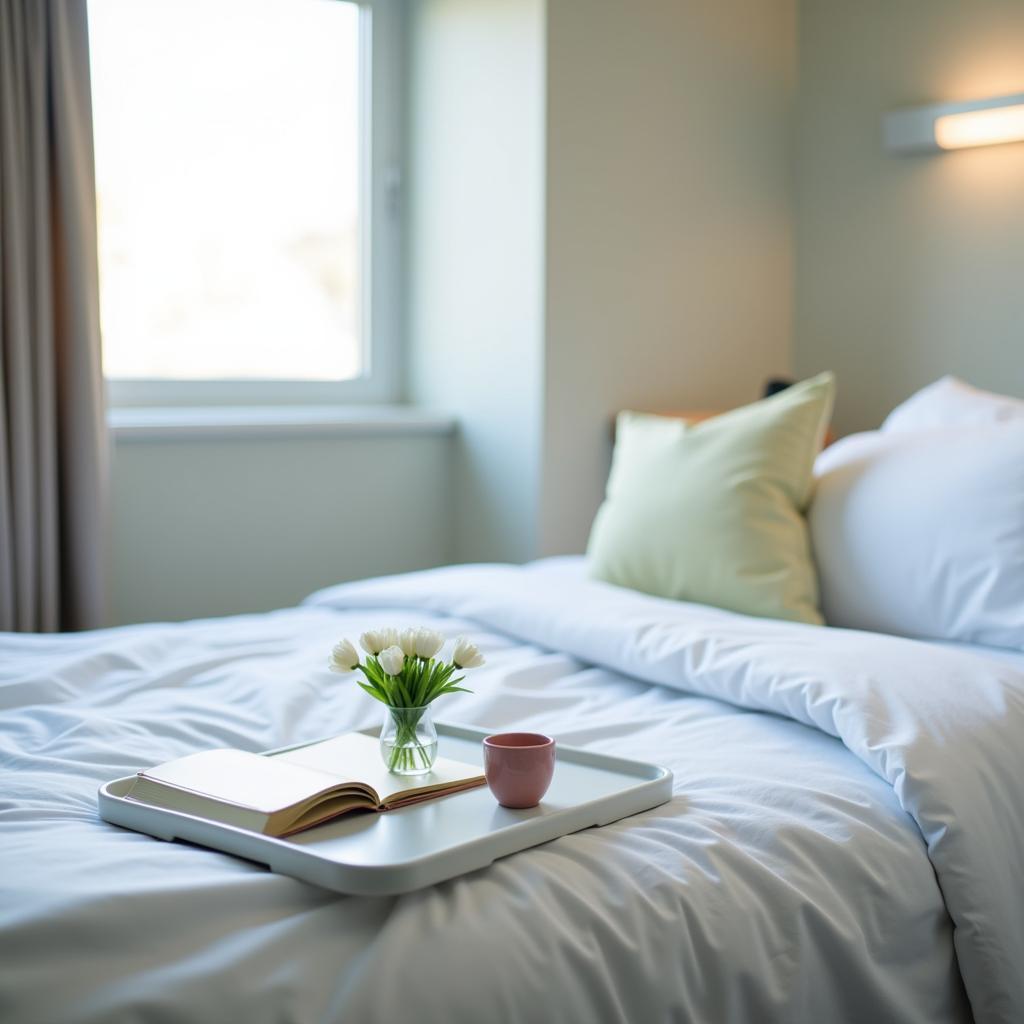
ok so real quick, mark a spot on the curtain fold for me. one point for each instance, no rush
(53, 438)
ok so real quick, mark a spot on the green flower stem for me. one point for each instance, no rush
(407, 754)
(407, 694)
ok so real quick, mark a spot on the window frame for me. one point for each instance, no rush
(380, 241)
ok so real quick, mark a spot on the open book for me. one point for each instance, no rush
(279, 794)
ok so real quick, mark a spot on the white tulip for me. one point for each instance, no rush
(344, 657)
(373, 641)
(391, 660)
(428, 643)
(407, 641)
(466, 654)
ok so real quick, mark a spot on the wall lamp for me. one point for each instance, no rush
(955, 125)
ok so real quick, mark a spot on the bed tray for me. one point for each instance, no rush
(412, 847)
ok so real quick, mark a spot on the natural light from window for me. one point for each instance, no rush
(228, 188)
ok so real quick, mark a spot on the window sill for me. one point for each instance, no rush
(183, 423)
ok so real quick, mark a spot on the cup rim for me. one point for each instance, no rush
(518, 741)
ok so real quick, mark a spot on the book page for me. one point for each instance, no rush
(244, 779)
(324, 810)
(357, 756)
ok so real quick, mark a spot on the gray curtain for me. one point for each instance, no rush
(53, 443)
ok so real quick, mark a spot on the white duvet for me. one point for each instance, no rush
(844, 843)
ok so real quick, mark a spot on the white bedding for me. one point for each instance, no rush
(787, 880)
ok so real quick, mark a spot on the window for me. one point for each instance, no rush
(243, 152)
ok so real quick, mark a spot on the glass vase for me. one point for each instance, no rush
(408, 740)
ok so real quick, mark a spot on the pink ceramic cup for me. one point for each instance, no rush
(519, 766)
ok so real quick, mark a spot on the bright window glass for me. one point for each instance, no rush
(228, 163)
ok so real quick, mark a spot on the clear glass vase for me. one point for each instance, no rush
(408, 740)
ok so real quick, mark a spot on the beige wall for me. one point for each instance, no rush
(907, 267)
(668, 236)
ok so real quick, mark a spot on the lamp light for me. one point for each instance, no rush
(945, 126)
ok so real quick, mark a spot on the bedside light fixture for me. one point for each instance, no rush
(956, 125)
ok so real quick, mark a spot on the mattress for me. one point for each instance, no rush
(833, 850)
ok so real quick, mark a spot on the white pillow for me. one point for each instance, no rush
(922, 534)
(950, 402)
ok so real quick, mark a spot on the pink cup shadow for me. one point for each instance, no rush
(519, 767)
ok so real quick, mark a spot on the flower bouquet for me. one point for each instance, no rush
(403, 671)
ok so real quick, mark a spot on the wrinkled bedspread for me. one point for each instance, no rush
(842, 844)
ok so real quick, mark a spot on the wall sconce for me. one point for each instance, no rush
(955, 125)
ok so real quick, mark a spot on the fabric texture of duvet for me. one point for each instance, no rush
(841, 844)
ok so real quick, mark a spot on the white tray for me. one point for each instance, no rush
(406, 849)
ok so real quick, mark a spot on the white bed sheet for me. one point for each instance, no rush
(785, 880)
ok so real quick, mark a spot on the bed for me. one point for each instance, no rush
(843, 844)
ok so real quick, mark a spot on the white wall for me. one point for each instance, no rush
(475, 266)
(668, 241)
(908, 267)
(215, 527)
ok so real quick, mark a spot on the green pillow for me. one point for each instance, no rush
(712, 512)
